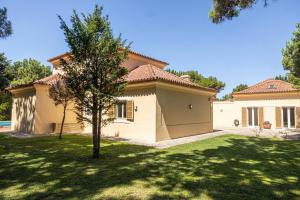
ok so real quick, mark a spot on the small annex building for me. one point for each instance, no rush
(273, 101)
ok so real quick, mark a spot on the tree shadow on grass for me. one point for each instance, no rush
(251, 168)
(245, 168)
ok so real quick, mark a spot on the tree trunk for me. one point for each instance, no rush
(95, 129)
(62, 122)
(99, 127)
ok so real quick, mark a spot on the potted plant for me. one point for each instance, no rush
(267, 125)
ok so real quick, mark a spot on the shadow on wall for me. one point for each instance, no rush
(25, 108)
(183, 114)
(262, 169)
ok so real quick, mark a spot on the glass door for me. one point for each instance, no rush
(253, 116)
(288, 117)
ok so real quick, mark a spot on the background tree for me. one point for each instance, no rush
(5, 24)
(61, 96)
(21, 72)
(237, 88)
(291, 57)
(94, 73)
(26, 71)
(281, 77)
(227, 9)
(196, 77)
(5, 106)
(5, 98)
(4, 64)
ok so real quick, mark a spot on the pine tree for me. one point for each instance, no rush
(5, 24)
(94, 73)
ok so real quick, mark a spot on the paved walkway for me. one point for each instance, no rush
(237, 131)
(169, 143)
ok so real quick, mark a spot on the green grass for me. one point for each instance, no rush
(227, 167)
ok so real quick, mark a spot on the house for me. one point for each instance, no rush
(273, 101)
(155, 106)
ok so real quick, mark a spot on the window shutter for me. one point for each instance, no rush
(278, 117)
(297, 117)
(112, 112)
(261, 116)
(244, 117)
(129, 110)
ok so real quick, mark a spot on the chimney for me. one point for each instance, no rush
(186, 77)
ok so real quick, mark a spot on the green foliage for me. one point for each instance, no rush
(5, 24)
(237, 88)
(5, 98)
(291, 55)
(61, 95)
(26, 71)
(294, 80)
(4, 63)
(227, 9)
(196, 77)
(94, 73)
(280, 77)
(5, 106)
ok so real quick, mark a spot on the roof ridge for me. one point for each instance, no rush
(265, 87)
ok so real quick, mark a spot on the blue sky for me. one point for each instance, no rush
(244, 50)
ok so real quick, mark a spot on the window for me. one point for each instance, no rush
(253, 116)
(288, 117)
(121, 110)
(271, 86)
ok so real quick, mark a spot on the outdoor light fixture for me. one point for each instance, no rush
(190, 106)
(135, 108)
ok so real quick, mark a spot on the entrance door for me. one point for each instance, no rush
(253, 116)
(288, 117)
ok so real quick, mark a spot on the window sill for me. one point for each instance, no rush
(122, 121)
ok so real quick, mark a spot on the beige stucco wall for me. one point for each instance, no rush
(175, 119)
(226, 112)
(23, 110)
(143, 126)
(163, 113)
(46, 113)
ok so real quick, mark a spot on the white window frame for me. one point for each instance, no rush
(123, 108)
(253, 118)
(288, 117)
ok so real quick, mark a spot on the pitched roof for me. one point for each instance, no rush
(50, 80)
(66, 54)
(150, 72)
(140, 74)
(269, 86)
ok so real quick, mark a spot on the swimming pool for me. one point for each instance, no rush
(5, 123)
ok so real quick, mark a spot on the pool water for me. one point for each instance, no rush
(5, 123)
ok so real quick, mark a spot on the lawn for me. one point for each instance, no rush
(226, 167)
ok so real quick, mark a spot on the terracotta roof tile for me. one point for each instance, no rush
(142, 73)
(130, 51)
(150, 72)
(50, 80)
(269, 86)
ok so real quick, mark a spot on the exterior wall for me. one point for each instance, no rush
(23, 110)
(175, 119)
(226, 112)
(46, 113)
(143, 126)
